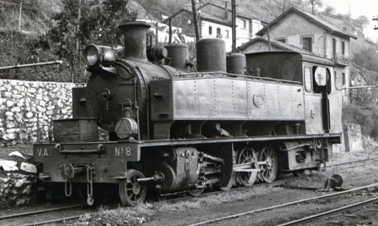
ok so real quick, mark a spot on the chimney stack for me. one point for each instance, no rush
(134, 34)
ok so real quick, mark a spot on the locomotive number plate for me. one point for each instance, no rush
(121, 151)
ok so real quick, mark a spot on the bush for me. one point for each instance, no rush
(365, 115)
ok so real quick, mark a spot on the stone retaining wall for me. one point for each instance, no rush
(27, 109)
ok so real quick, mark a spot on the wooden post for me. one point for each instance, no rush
(20, 18)
(170, 30)
(233, 26)
(195, 21)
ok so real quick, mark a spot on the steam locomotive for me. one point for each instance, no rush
(226, 121)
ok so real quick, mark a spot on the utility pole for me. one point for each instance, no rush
(233, 5)
(77, 41)
(195, 21)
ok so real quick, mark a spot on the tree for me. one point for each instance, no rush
(314, 4)
(367, 58)
(329, 11)
(362, 21)
(305, 5)
(98, 23)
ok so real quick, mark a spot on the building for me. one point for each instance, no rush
(310, 33)
(216, 22)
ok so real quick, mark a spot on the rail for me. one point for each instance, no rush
(281, 205)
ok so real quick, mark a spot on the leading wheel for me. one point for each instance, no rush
(246, 155)
(269, 170)
(298, 173)
(131, 192)
(196, 192)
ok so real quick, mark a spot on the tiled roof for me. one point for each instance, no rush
(315, 19)
(277, 44)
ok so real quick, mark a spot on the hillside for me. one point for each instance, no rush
(27, 42)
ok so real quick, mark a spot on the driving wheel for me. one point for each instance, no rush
(247, 155)
(269, 169)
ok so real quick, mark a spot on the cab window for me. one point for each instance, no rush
(307, 75)
(321, 80)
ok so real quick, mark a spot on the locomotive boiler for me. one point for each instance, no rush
(176, 126)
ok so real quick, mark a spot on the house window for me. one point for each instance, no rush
(244, 24)
(344, 79)
(343, 48)
(334, 47)
(219, 33)
(210, 30)
(227, 34)
(307, 43)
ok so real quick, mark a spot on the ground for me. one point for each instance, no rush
(246, 199)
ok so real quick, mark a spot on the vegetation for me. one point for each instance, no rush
(60, 29)
(363, 111)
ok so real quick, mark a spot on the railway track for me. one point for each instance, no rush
(353, 164)
(20, 218)
(246, 213)
(5, 218)
(333, 211)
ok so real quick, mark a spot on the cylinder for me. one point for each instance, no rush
(178, 56)
(211, 55)
(236, 63)
(134, 34)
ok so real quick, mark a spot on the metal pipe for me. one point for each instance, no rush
(31, 65)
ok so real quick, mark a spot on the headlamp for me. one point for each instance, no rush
(94, 55)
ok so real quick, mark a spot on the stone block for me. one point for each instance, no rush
(27, 167)
(8, 165)
(20, 182)
(41, 108)
(35, 84)
(29, 114)
(9, 103)
(38, 97)
(9, 136)
(6, 94)
(20, 202)
(353, 138)
(9, 114)
(32, 91)
(16, 109)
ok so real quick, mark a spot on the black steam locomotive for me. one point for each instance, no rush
(225, 121)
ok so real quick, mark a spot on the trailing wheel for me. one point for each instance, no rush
(269, 169)
(247, 155)
(131, 192)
